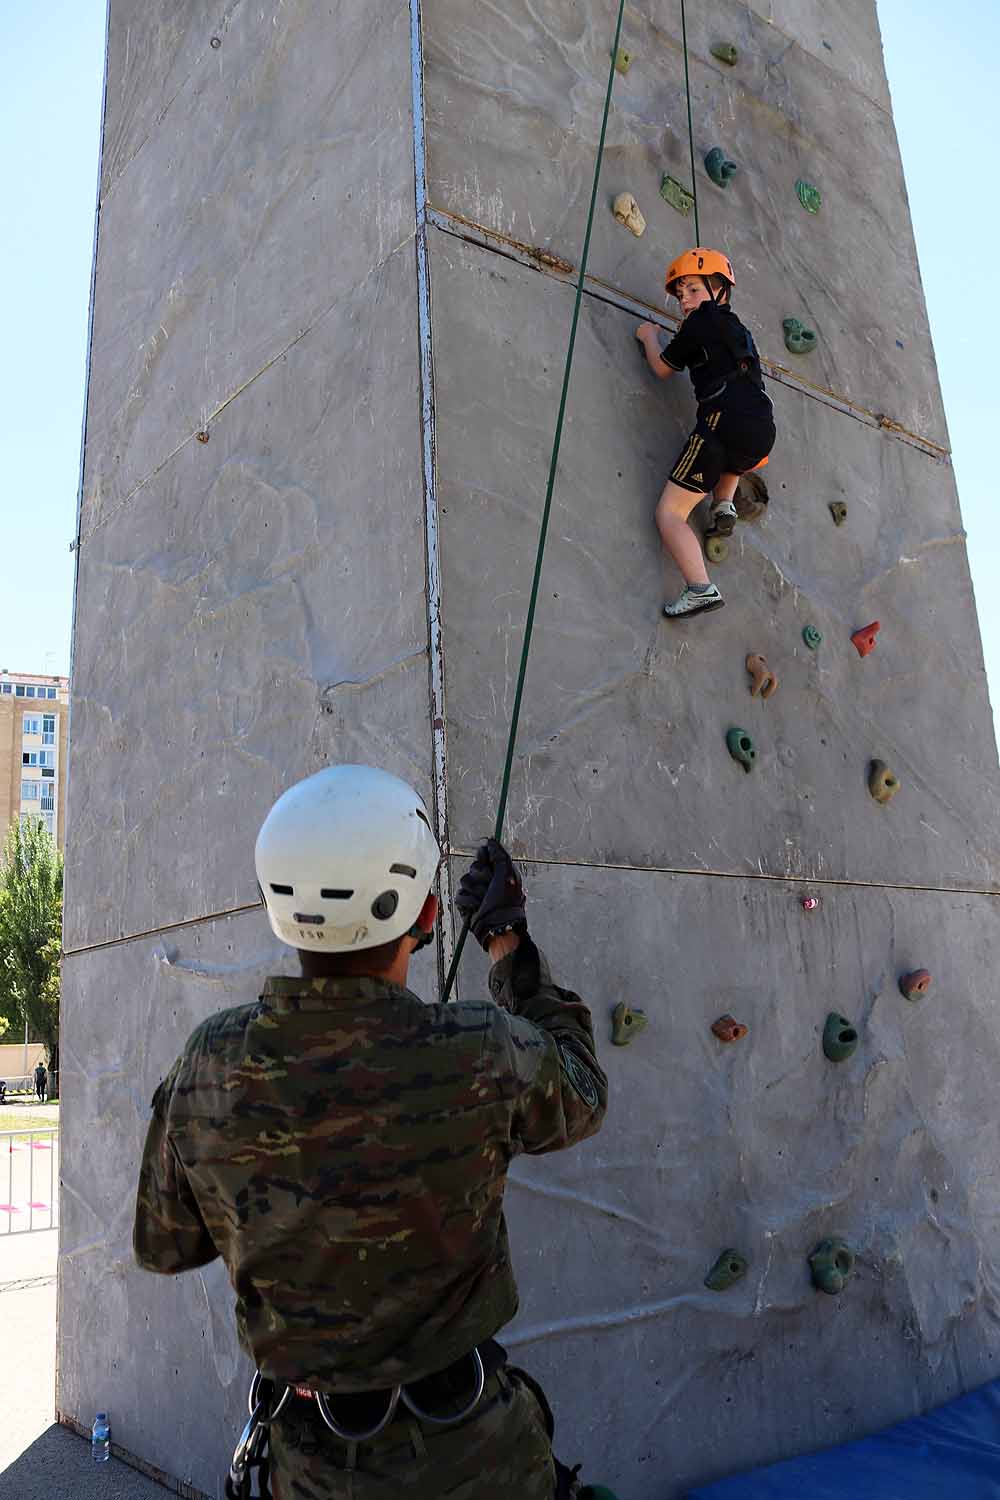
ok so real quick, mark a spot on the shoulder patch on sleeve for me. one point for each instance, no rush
(579, 1077)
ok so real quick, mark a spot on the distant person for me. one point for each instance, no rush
(41, 1082)
(734, 427)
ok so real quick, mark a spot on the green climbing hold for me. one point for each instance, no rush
(676, 194)
(812, 637)
(798, 338)
(838, 511)
(719, 167)
(716, 548)
(730, 1267)
(809, 196)
(726, 52)
(840, 1040)
(831, 1263)
(741, 748)
(626, 1024)
(623, 61)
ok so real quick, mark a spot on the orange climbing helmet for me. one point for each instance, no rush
(700, 262)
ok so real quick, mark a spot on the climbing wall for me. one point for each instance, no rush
(322, 398)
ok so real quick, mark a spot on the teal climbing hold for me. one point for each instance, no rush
(840, 1040)
(831, 1264)
(798, 338)
(676, 194)
(727, 53)
(719, 167)
(730, 1267)
(809, 196)
(741, 748)
(812, 637)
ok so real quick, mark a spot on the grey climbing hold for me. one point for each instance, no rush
(809, 196)
(831, 1264)
(626, 1023)
(730, 1268)
(719, 167)
(798, 338)
(727, 53)
(676, 194)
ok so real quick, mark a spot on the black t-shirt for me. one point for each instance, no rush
(712, 345)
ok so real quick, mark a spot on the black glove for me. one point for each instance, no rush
(491, 893)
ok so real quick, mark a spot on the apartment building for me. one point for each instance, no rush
(34, 716)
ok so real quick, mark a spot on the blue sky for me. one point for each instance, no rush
(941, 66)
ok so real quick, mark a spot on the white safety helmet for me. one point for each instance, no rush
(345, 859)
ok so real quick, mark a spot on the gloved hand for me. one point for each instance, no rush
(491, 893)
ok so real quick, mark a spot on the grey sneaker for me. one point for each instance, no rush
(724, 518)
(691, 603)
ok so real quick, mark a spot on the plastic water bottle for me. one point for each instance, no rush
(100, 1438)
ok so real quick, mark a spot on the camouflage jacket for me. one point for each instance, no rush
(344, 1148)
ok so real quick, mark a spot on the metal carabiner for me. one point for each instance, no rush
(356, 1437)
(425, 1416)
(253, 1399)
(246, 1451)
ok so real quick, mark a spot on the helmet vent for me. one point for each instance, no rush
(282, 890)
(307, 921)
(403, 870)
(385, 905)
(331, 895)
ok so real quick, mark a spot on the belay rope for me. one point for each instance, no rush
(553, 465)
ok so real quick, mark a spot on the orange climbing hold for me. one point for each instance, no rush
(764, 681)
(916, 984)
(864, 639)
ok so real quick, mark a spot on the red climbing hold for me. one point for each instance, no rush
(865, 639)
(810, 903)
(727, 1029)
(916, 984)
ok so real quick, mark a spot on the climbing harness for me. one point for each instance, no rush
(553, 465)
(251, 1458)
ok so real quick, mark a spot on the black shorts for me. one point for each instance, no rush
(726, 440)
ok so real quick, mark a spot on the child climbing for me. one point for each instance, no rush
(734, 427)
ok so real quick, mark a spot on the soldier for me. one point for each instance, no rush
(344, 1147)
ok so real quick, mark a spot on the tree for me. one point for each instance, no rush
(31, 881)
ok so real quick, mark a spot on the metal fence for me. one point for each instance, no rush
(29, 1180)
(24, 1083)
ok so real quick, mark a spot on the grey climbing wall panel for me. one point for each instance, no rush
(253, 606)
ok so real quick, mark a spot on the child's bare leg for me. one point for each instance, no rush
(726, 488)
(675, 505)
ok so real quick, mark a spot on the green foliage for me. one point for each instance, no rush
(31, 880)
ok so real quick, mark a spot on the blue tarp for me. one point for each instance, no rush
(950, 1454)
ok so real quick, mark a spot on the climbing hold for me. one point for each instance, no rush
(751, 498)
(809, 196)
(741, 748)
(730, 1267)
(798, 338)
(812, 637)
(840, 1040)
(626, 1024)
(597, 1492)
(764, 681)
(215, 42)
(831, 1263)
(838, 511)
(728, 1029)
(882, 784)
(623, 60)
(864, 639)
(726, 52)
(676, 194)
(716, 548)
(914, 985)
(719, 167)
(628, 212)
(202, 436)
(810, 903)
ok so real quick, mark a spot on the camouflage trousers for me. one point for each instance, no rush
(502, 1452)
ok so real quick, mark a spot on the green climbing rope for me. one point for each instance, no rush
(553, 465)
(687, 90)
